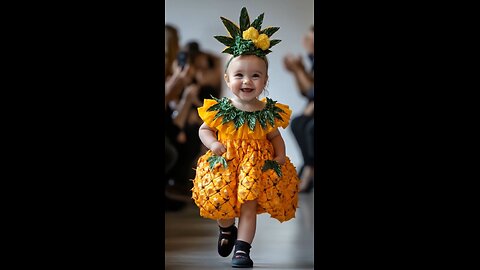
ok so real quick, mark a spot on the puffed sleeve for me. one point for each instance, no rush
(208, 116)
(280, 113)
(285, 114)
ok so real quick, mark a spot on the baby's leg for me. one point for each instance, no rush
(225, 223)
(247, 223)
(246, 231)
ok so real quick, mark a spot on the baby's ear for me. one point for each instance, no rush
(225, 77)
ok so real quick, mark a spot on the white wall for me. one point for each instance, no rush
(200, 20)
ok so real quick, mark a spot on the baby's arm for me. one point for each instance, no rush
(278, 146)
(209, 139)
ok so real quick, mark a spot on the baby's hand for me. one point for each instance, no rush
(280, 160)
(218, 148)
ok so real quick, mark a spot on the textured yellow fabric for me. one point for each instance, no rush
(220, 192)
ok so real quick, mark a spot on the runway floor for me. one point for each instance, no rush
(191, 241)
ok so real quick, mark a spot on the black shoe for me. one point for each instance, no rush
(226, 240)
(241, 257)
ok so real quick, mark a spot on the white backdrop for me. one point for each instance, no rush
(199, 20)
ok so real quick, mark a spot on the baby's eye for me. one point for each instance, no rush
(256, 75)
(238, 75)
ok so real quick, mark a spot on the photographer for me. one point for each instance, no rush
(206, 81)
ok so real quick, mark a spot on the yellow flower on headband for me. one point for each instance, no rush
(261, 41)
(247, 37)
(250, 33)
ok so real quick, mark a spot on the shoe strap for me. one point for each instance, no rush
(241, 254)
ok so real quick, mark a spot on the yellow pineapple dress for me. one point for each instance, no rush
(246, 170)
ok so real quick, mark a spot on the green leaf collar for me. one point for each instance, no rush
(229, 113)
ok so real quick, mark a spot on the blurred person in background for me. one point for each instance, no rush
(176, 78)
(204, 82)
(303, 125)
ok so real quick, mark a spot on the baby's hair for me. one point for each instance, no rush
(263, 57)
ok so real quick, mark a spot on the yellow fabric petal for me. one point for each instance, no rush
(208, 116)
(285, 115)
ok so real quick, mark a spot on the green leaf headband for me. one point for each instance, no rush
(248, 38)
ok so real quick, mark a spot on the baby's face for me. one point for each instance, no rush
(247, 76)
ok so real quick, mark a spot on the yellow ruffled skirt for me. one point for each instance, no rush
(220, 192)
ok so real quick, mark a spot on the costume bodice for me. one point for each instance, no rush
(233, 123)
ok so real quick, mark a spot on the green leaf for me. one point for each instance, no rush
(257, 23)
(228, 116)
(276, 115)
(219, 113)
(228, 50)
(213, 160)
(277, 109)
(263, 53)
(270, 118)
(262, 119)
(267, 165)
(215, 107)
(278, 171)
(231, 27)
(224, 162)
(251, 122)
(244, 20)
(272, 164)
(270, 102)
(239, 121)
(274, 42)
(269, 31)
(227, 41)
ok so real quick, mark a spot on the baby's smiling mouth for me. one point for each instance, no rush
(248, 90)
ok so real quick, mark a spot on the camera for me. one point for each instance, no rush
(182, 59)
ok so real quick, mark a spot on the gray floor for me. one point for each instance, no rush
(191, 241)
